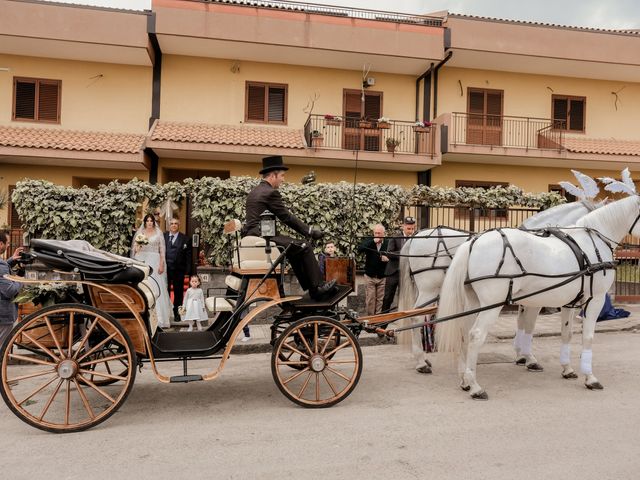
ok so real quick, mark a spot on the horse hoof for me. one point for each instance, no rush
(535, 367)
(426, 360)
(570, 376)
(466, 388)
(521, 361)
(594, 386)
(481, 395)
(424, 369)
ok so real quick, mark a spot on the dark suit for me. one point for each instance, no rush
(392, 270)
(178, 260)
(300, 254)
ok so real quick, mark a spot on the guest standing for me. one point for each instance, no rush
(8, 288)
(392, 270)
(374, 268)
(178, 258)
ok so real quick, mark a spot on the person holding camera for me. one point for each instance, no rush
(300, 254)
(8, 288)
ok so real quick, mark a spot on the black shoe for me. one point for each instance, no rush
(323, 290)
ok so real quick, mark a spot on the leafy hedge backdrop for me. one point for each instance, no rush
(107, 215)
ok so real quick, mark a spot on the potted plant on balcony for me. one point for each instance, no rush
(392, 144)
(364, 123)
(422, 127)
(384, 123)
(316, 138)
(332, 120)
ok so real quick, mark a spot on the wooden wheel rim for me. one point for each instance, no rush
(320, 382)
(62, 379)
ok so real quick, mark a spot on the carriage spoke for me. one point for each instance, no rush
(339, 347)
(294, 376)
(31, 360)
(286, 345)
(50, 401)
(85, 401)
(67, 407)
(100, 374)
(317, 387)
(85, 338)
(41, 347)
(304, 386)
(32, 375)
(93, 385)
(38, 390)
(339, 374)
(301, 362)
(97, 347)
(72, 317)
(304, 340)
(315, 337)
(105, 359)
(330, 384)
(341, 361)
(54, 336)
(326, 343)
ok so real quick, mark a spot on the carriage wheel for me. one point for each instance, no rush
(329, 364)
(54, 368)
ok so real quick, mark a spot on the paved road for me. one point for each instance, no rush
(397, 424)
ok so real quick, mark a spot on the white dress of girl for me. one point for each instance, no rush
(151, 254)
(194, 306)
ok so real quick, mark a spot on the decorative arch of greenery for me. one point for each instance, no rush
(106, 216)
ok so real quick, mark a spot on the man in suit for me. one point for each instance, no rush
(8, 288)
(178, 261)
(300, 254)
(374, 268)
(392, 271)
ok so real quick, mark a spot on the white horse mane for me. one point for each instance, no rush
(603, 218)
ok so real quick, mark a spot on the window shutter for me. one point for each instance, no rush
(494, 103)
(14, 219)
(576, 115)
(256, 102)
(25, 100)
(560, 112)
(48, 96)
(276, 104)
(353, 105)
(476, 102)
(372, 107)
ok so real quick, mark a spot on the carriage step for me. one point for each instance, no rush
(307, 302)
(180, 343)
(185, 378)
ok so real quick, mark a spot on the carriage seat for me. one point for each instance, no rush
(252, 254)
(219, 304)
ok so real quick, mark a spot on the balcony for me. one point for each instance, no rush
(505, 131)
(354, 134)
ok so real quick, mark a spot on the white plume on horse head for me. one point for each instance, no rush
(588, 189)
(616, 186)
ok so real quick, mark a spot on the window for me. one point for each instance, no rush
(36, 100)
(484, 111)
(555, 188)
(568, 113)
(266, 103)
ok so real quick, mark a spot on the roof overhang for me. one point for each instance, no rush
(65, 158)
(257, 34)
(74, 32)
(543, 49)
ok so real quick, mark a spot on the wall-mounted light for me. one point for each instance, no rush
(5, 69)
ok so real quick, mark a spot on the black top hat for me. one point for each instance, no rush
(409, 220)
(270, 164)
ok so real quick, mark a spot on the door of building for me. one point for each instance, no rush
(484, 117)
(357, 109)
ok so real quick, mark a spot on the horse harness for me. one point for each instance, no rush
(586, 267)
(441, 249)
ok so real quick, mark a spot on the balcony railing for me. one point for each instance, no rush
(336, 11)
(506, 131)
(348, 133)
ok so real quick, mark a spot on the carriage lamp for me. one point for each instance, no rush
(267, 228)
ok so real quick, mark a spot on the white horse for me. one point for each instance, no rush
(515, 266)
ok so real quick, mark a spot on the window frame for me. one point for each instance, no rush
(557, 188)
(37, 82)
(267, 86)
(568, 99)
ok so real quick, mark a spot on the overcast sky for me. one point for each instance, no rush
(613, 14)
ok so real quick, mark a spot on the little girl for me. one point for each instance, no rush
(193, 304)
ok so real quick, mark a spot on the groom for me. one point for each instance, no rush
(178, 261)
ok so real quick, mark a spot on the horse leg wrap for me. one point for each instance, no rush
(585, 362)
(565, 354)
(525, 343)
(517, 340)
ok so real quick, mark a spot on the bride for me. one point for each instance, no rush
(153, 254)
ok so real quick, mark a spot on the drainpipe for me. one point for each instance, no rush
(426, 100)
(155, 92)
(435, 82)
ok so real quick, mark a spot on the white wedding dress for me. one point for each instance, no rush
(151, 255)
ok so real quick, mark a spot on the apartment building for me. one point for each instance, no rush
(195, 88)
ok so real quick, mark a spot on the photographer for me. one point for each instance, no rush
(8, 288)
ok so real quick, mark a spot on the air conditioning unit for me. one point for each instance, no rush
(371, 81)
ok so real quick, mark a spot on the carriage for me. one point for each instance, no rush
(70, 366)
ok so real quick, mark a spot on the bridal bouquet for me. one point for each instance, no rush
(141, 239)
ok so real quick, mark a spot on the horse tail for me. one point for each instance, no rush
(449, 334)
(406, 295)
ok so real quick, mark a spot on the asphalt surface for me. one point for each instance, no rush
(397, 424)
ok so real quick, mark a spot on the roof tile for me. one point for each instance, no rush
(59, 139)
(606, 146)
(279, 137)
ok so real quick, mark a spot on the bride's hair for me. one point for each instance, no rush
(144, 220)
